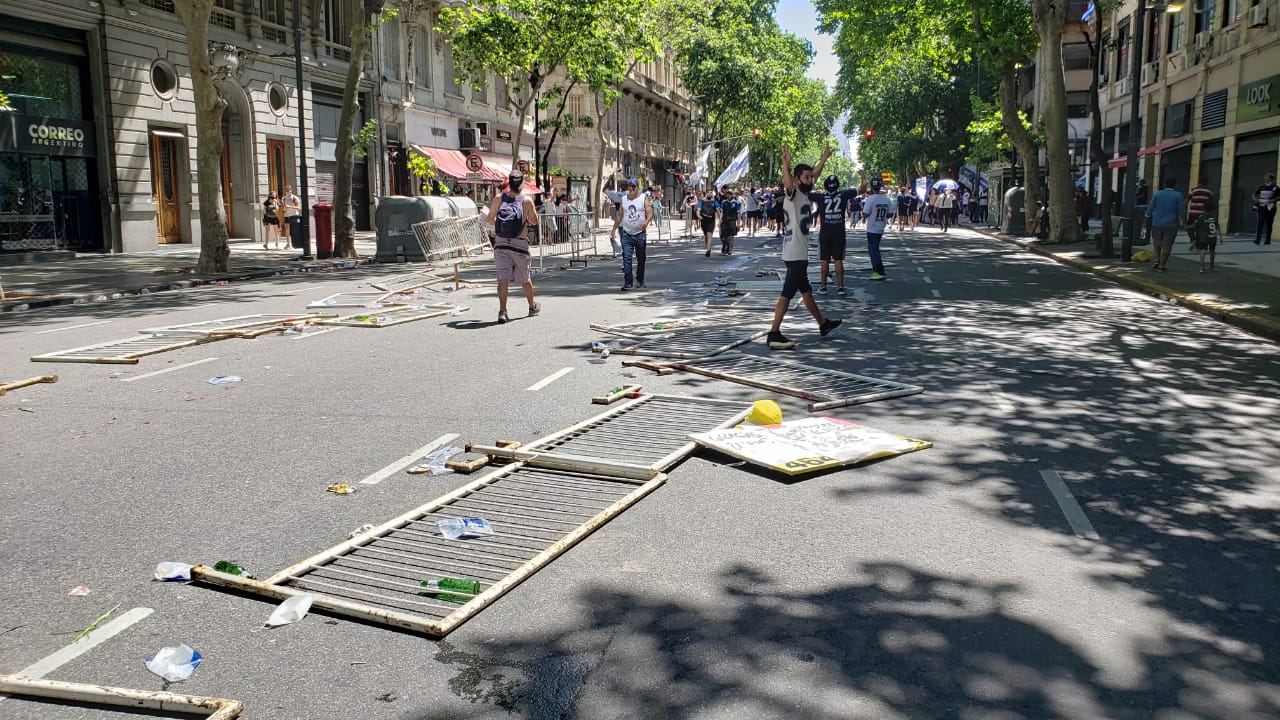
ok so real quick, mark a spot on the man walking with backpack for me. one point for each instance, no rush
(511, 213)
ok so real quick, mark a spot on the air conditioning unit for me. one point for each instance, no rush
(1103, 79)
(483, 127)
(1231, 40)
(1258, 15)
(468, 138)
(1203, 40)
(1121, 87)
(1150, 73)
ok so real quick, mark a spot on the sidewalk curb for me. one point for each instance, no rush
(1262, 326)
(20, 305)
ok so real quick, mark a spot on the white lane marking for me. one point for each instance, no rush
(305, 289)
(1080, 524)
(168, 370)
(197, 307)
(920, 269)
(550, 379)
(95, 638)
(936, 293)
(398, 465)
(72, 327)
(927, 280)
(307, 334)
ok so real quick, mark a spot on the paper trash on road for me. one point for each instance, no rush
(433, 464)
(224, 379)
(808, 445)
(174, 664)
(464, 528)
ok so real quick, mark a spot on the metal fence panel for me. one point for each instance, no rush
(825, 389)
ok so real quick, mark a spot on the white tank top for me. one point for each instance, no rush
(632, 215)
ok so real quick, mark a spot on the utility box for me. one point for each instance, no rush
(396, 216)
(1015, 212)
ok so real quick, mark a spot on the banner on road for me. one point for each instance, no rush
(803, 446)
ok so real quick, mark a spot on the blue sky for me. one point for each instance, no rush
(800, 18)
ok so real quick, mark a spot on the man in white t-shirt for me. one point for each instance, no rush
(878, 210)
(798, 211)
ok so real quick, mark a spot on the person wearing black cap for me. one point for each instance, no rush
(511, 213)
(635, 212)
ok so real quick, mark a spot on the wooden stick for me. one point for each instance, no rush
(645, 365)
(467, 463)
(29, 381)
(615, 395)
(214, 708)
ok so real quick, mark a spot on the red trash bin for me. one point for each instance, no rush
(324, 230)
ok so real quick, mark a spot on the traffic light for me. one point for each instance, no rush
(886, 177)
(868, 133)
(756, 133)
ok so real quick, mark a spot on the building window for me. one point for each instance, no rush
(272, 25)
(575, 105)
(161, 5)
(422, 56)
(390, 50)
(1122, 57)
(223, 15)
(480, 93)
(1078, 104)
(337, 29)
(1231, 12)
(1177, 31)
(450, 73)
(1206, 13)
(1177, 119)
(277, 98)
(1075, 56)
(164, 79)
(1154, 36)
(41, 86)
(502, 101)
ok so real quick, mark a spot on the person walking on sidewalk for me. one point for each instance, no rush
(511, 213)
(730, 217)
(1201, 227)
(798, 210)
(708, 208)
(689, 207)
(1166, 211)
(634, 214)
(1264, 200)
(946, 201)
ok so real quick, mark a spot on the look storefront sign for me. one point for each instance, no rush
(1258, 99)
(46, 136)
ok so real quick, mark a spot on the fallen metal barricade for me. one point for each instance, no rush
(539, 507)
(408, 281)
(692, 343)
(392, 315)
(122, 352)
(825, 389)
(447, 237)
(206, 328)
(663, 326)
(147, 701)
(359, 298)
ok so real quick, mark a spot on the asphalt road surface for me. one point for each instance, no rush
(1093, 534)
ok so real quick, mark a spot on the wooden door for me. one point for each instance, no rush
(276, 173)
(226, 177)
(164, 188)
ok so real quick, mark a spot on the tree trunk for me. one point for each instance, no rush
(214, 247)
(344, 237)
(1106, 242)
(1021, 139)
(1064, 226)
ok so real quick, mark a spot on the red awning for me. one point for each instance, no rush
(1173, 144)
(449, 162)
(1121, 161)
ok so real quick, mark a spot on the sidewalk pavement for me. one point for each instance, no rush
(1243, 290)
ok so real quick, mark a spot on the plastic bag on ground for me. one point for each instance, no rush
(174, 664)
(464, 528)
(433, 464)
(291, 610)
(172, 572)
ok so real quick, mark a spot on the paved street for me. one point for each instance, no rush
(1093, 534)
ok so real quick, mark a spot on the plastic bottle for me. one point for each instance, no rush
(440, 589)
(230, 568)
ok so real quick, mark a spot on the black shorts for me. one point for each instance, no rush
(796, 279)
(728, 230)
(708, 224)
(270, 220)
(755, 213)
(831, 246)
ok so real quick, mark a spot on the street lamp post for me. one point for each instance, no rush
(304, 222)
(1135, 122)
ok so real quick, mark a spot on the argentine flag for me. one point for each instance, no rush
(696, 178)
(1088, 13)
(736, 169)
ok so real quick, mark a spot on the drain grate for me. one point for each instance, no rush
(693, 343)
(121, 352)
(825, 389)
(648, 433)
(536, 513)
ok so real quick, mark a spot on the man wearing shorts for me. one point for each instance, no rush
(511, 213)
(797, 210)
(708, 210)
(831, 236)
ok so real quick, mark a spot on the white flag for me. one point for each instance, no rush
(696, 178)
(736, 169)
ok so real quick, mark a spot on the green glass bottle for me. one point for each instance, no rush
(230, 568)
(439, 589)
